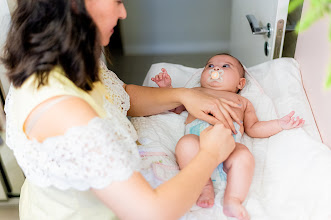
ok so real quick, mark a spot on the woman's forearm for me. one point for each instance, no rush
(149, 100)
(189, 184)
(170, 200)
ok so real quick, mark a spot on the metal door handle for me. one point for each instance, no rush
(256, 29)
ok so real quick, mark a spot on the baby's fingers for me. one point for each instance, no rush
(296, 122)
(301, 123)
(291, 122)
(164, 71)
(164, 75)
(290, 114)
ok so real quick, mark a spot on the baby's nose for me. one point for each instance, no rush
(217, 68)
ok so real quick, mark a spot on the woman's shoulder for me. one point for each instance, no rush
(56, 81)
(23, 100)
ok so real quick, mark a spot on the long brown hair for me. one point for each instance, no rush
(47, 33)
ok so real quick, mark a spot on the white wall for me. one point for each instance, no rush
(12, 5)
(176, 26)
(313, 54)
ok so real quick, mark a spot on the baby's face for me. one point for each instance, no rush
(229, 78)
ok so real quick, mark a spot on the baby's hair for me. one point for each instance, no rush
(242, 70)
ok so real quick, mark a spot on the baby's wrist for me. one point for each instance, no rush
(279, 125)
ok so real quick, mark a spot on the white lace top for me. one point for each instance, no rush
(88, 156)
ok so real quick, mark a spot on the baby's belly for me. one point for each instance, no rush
(197, 126)
(190, 119)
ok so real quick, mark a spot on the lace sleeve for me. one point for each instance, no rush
(90, 156)
(114, 87)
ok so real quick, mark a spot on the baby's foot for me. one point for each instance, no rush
(233, 208)
(206, 198)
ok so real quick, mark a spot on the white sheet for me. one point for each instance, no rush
(291, 179)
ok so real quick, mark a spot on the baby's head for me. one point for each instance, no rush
(223, 72)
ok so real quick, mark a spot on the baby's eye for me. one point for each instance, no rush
(211, 65)
(226, 65)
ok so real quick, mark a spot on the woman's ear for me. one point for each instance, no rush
(242, 83)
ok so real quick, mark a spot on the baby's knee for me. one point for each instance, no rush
(245, 156)
(188, 143)
(241, 156)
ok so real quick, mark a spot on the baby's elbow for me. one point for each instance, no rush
(249, 131)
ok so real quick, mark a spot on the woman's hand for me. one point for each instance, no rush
(210, 109)
(217, 141)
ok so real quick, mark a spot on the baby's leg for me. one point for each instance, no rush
(239, 168)
(186, 149)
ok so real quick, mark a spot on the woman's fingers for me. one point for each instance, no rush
(212, 119)
(211, 109)
(230, 103)
(232, 115)
(218, 141)
(225, 118)
(219, 115)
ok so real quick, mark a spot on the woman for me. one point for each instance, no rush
(67, 124)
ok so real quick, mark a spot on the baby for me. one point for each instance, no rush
(223, 76)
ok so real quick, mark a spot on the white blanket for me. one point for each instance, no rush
(291, 179)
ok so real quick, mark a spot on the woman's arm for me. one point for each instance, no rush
(149, 100)
(134, 198)
(174, 197)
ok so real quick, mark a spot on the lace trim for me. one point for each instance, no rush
(88, 156)
(9, 122)
(115, 114)
(91, 156)
(114, 87)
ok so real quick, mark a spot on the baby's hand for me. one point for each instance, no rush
(178, 110)
(163, 79)
(289, 122)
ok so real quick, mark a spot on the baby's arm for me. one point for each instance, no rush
(262, 129)
(163, 80)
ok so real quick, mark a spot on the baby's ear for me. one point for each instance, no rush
(242, 83)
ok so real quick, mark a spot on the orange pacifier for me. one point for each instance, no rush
(216, 75)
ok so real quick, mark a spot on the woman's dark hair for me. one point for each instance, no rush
(47, 33)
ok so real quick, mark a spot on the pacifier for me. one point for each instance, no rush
(216, 75)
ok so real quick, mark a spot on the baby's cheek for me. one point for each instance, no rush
(203, 78)
(203, 81)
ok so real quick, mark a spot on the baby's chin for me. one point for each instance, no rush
(213, 85)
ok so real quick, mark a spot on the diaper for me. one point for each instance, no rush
(196, 127)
